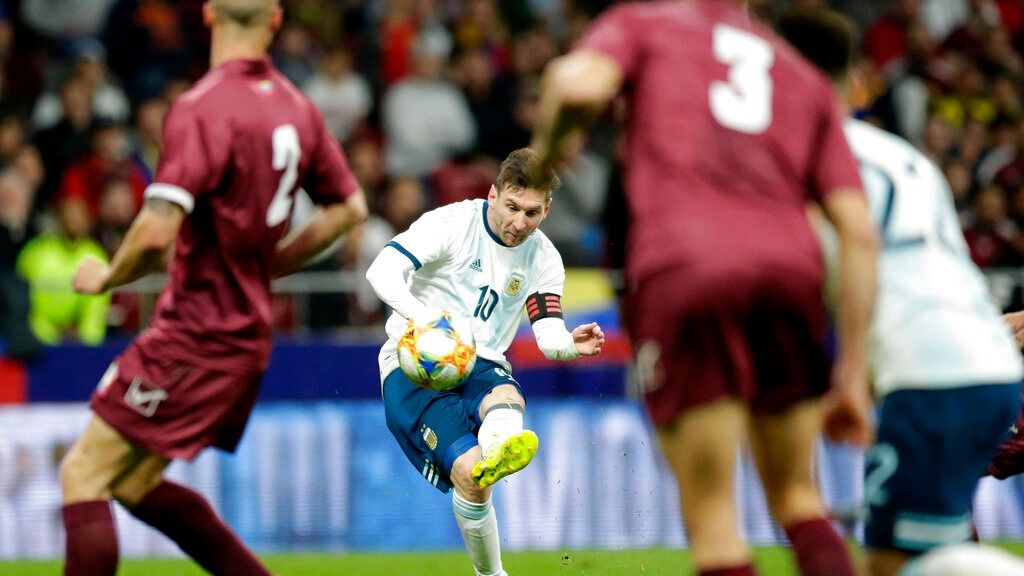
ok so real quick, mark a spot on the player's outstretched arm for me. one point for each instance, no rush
(146, 248)
(848, 405)
(574, 90)
(387, 276)
(557, 343)
(326, 226)
(588, 338)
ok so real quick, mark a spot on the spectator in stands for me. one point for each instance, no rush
(149, 121)
(909, 78)
(886, 40)
(464, 178)
(404, 202)
(111, 158)
(417, 143)
(48, 263)
(1006, 97)
(990, 233)
(90, 66)
(531, 50)
(573, 227)
(972, 142)
(29, 165)
(958, 174)
(1011, 174)
(1002, 149)
(148, 45)
(364, 157)
(968, 101)
(117, 209)
(66, 20)
(998, 56)
(15, 229)
(969, 38)
(66, 140)
(395, 37)
(491, 98)
(12, 135)
(481, 28)
(293, 54)
(6, 51)
(938, 138)
(1016, 213)
(943, 16)
(341, 94)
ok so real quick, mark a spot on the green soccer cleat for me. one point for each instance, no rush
(506, 458)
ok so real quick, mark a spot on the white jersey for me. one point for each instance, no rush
(935, 325)
(463, 267)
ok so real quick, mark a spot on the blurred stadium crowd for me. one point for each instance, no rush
(426, 96)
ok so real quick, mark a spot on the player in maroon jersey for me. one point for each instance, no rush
(729, 135)
(1009, 461)
(236, 147)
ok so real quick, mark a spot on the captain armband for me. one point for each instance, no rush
(540, 306)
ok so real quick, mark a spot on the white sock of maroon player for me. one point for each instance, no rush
(187, 518)
(91, 545)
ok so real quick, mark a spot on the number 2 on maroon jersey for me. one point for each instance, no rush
(285, 142)
(744, 103)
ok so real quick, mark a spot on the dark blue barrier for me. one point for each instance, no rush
(309, 369)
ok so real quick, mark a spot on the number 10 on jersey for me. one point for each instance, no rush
(485, 305)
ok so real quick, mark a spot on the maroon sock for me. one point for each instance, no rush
(745, 570)
(819, 549)
(91, 546)
(186, 517)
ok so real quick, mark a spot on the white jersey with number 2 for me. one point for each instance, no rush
(935, 325)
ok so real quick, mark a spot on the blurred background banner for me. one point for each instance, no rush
(323, 476)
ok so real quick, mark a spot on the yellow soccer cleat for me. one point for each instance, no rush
(506, 458)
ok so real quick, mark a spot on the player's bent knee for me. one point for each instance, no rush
(506, 393)
(132, 490)
(463, 480)
(794, 503)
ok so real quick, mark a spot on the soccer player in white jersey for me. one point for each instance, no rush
(945, 367)
(486, 261)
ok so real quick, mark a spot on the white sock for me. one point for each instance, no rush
(479, 526)
(500, 422)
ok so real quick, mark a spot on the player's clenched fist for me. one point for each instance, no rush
(847, 408)
(91, 276)
(588, 338)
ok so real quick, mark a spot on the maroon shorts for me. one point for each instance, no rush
(171, 408)
(760, 337)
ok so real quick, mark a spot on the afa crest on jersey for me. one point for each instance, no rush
(515, 283)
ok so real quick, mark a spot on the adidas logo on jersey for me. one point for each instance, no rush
(476, 266)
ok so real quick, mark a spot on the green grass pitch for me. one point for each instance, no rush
(657, 562)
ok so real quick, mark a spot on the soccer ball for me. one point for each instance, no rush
(968, 559)
(439, 353)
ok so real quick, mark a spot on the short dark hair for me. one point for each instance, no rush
(825, 37)
(245, 13)
(517, 173)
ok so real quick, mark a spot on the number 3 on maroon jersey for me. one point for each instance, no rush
(744, 103)
(285, 141)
